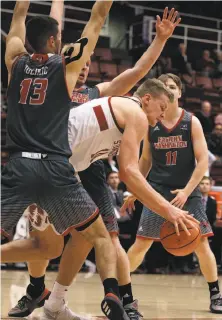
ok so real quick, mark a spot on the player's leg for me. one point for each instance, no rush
(48, 246)
(205, 255)
(148, 231)
(73, 257)
(71, 207)
(124, 279)
(36, 292)
(94, 181)
(137, 252)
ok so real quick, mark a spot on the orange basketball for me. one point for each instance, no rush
(179, 245)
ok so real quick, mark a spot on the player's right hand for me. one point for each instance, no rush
(183, 218)
(128, 204)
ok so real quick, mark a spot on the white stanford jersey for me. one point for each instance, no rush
(93, 133)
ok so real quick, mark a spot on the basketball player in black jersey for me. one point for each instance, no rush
(38, 171)
(169, 155)
(94, 180)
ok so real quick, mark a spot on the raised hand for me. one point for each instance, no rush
(166, 26)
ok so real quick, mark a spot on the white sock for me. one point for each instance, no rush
(57, 296)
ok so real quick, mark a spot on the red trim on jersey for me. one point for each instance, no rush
(113, 115)
(41, 58)
(103, 125)
(178, 122)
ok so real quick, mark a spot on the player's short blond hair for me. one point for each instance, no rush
(175, 78)
(155, 88)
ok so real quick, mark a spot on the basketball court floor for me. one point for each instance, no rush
(162, 297)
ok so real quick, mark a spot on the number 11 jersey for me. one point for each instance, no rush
(38, 105)
(173, 159)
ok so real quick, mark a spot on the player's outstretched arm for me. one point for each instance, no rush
(57, 10)
(128, 79)
(201, 155)
(16, 38)
(91, 32)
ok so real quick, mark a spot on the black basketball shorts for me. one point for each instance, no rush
(50, 185)
(94, 181)
(150, 222)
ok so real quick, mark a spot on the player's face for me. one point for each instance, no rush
(205, 186)
(155, 108)
(171, 85)
(84, 73)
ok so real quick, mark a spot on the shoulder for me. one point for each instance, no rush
(195, 124)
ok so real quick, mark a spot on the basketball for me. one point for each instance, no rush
(179, 245)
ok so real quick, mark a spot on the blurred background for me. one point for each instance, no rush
(194, 53)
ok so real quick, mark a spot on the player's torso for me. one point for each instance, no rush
(173, 160)
(38, 106)
(93, 133)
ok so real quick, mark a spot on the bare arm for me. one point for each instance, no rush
(201, 155)
(16, 38)
(91, 31)
(145, 162)
(57, 10)
(128, 79)
(129, 167)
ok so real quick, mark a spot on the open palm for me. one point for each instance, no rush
(166, 26)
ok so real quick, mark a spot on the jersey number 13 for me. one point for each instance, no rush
(39, 92)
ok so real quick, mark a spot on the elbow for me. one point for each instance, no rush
(125, 173)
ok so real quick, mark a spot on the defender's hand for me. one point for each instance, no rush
(128, 204)
(166, 26)
(180, 199)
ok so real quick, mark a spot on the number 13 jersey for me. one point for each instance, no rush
(38, 105)
(173, 160)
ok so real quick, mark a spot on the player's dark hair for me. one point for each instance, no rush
(155, 88)
(176, 79)
(39, 30)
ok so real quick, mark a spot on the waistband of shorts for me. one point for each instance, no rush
(38, 156)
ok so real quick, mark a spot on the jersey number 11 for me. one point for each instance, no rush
(171, 158)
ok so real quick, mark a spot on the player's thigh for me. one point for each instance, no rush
(79, 240)
(95, 231)
(195, 206)
(69, 207)
(49, 241)
(13, 204)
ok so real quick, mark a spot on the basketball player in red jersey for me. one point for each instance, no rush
(175, 175)
(93, 179)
